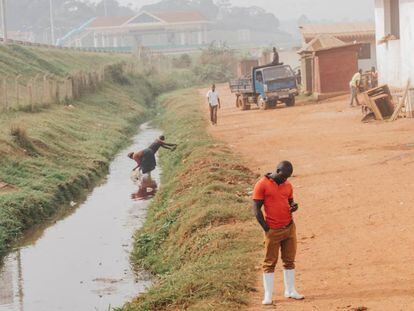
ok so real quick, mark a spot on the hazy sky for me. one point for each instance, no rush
(314, 9)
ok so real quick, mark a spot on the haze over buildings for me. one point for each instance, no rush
(292, 9)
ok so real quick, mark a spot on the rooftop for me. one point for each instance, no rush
(109, 21)
(343, 31)
(324, 42)
(148, 18)
(180, 16)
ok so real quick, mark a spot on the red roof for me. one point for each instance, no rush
(343, 31)
(180, 16)
(109, 21)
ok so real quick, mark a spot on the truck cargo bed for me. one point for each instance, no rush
(243, 85)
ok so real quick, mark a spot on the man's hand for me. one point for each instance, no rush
(293, 207)
(257, 211)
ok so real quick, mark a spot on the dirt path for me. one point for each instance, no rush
(355, 186)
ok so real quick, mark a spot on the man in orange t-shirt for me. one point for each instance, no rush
(275, 194)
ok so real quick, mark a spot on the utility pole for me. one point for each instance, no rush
(105, 8)
(3, 20)
(52, 22)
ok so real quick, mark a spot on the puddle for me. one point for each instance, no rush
(82, 261)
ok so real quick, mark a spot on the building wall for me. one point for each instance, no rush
(332, 75)
(395, 58)
(366, 64)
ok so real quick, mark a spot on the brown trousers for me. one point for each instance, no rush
(213, 114)
(285, 239)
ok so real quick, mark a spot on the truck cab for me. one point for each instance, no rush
(273, 83)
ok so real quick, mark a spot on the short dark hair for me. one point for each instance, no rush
(286, 168)
(162, 137)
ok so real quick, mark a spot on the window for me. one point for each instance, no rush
(392, 18)
(365, 51)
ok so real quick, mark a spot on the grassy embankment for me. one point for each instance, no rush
(29, 61)
(199, 237)
(50, 156)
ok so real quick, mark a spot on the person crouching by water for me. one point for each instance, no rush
(145, 159)
(275, 194)
(213, 101)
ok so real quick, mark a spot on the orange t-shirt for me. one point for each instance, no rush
(276, 201)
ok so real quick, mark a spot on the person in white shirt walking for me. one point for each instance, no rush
(213, 103)
(354, 86)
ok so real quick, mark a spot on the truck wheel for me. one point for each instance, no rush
(243, 104)
(290, 102)
(263, 105)
(239, 102)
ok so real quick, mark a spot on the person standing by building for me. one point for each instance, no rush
(213, 100)
(275, 194)
(373, 77)
(354, 87)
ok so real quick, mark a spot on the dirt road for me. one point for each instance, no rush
(355, 185)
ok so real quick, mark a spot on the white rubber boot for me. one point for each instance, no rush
(290, 290)
(268, 282)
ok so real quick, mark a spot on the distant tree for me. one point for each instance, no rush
(113, 8)
(253, 18)
(205, 7)
(303, 19)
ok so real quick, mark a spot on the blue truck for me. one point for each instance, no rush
(266, 87)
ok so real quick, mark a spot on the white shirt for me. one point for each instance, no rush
(355, 80)
(212, 98)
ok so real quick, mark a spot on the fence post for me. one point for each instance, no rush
(6, 104)
(44, 89)
(17, 89)
(35, 90)
(50, 88)
(30, 93)
(57, 91)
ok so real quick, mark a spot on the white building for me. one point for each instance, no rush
(395, 41)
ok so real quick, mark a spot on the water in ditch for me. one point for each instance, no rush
(81, 262)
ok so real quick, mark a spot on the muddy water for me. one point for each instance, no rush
(82, 261)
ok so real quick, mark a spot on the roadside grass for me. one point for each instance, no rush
(52, 156)
(29, 61)
(199, 238)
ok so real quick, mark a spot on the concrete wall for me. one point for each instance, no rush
(366, 64)
(395, 58)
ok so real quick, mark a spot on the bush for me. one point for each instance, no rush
(216, 64)
(184, 61)
(20, 137)
(117, 74)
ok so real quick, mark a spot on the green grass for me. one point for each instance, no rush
(199, 238)
(29, 61)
